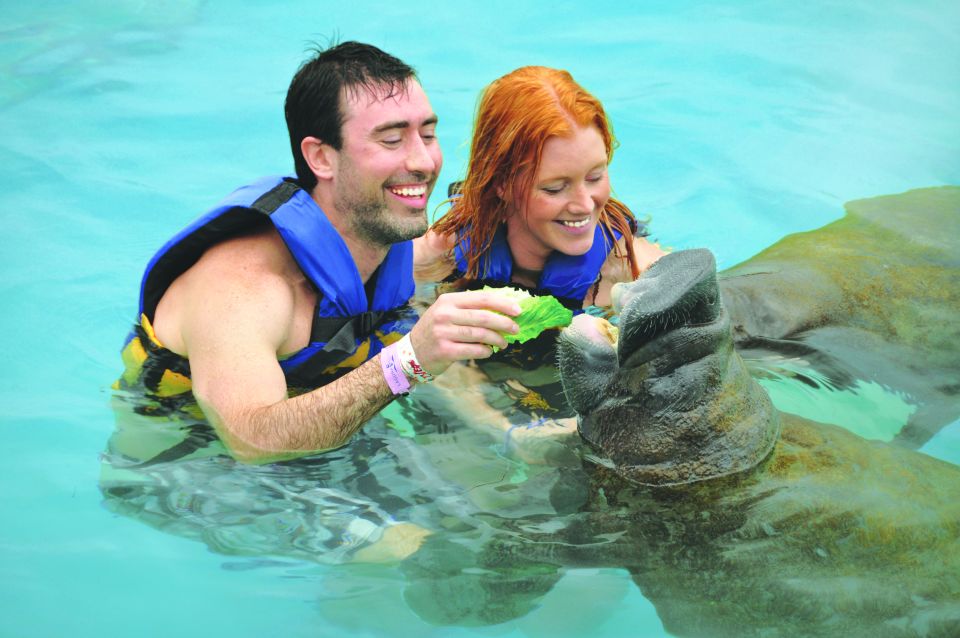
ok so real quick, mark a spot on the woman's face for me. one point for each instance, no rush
(568, 192)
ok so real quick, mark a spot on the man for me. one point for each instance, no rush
(299, 282)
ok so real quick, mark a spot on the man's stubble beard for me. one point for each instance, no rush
(374, 222)
(371, 218)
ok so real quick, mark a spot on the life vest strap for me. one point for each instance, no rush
(342, 333)
(276, 197)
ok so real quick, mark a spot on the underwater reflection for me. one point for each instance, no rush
(481, 537)
(173, 474)
(409, 472)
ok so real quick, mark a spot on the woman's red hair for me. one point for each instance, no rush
(517, 114)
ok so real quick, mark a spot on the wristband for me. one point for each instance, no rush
(409, 362)
(393, 372)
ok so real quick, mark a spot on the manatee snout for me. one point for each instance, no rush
(671, 403)
(679, 290)
(662, 316)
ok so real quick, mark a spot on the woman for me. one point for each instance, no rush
(534, 212)
(535, 209)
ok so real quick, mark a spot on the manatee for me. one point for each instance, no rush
(733, 518)
(873, 297)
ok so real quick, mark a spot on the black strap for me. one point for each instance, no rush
(341, 333)
(454, 189)
(269, 202)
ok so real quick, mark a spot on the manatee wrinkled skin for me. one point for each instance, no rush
(735, 519)
(702, 416)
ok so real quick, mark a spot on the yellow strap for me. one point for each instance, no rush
(173, 383)
(133, 356)
(148, 328)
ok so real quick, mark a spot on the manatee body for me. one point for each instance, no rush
(733, 518)
(874, 296)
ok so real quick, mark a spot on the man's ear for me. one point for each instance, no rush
(320, 157)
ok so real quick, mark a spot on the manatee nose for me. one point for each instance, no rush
(679, 289)
(623, 294)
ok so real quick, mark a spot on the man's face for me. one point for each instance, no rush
(388, 164)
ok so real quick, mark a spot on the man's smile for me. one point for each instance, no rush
(418, 190)
(414, 195)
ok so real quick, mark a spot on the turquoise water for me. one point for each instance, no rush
(120, 121)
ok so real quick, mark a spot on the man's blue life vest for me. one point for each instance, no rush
(348, 327)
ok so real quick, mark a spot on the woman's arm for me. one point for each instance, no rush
(465, 392)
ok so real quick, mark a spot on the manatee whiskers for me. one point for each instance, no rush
(587, 357)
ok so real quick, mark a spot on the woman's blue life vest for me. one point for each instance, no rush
(350, 326)
(566, 277)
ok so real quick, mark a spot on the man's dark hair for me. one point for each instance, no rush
(312, 108)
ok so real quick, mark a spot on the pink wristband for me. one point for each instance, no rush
(392, 371)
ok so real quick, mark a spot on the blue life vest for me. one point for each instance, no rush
(347, 330)
(566, 277)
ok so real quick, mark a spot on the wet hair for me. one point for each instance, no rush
(516, 115)
(313, 105)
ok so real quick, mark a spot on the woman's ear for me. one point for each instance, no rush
(320, 157)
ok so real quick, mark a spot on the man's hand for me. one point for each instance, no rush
(462, 325)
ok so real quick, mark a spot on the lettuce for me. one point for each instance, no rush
(536, 313)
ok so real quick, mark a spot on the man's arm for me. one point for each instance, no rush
(313, 422)
(233, 332)
(234, 322)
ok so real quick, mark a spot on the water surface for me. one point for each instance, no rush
(738, 124)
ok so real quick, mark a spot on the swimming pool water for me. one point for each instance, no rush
(120, 122)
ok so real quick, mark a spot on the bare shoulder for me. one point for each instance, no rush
(647, 252)
(257, 259)
(433, 256)
(242, 285)
(616, 269)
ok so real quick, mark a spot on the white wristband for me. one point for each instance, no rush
(409, 362)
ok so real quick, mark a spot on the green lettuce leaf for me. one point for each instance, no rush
(536, 313)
